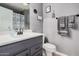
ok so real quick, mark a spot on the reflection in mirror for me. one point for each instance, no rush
(18, 23)
(21, 22)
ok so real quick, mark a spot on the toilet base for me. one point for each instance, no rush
(49, 49)
(49, 53)
(46, 53)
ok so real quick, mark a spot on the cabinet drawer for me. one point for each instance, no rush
(14, 48)
(39, 53)
(36, 48)
(35, 40)
(23, 53)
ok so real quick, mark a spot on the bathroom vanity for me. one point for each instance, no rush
(29, 44)
(23, 44)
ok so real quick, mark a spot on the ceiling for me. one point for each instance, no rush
(21, 6)
(18, 7)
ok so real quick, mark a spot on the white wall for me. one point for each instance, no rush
(35, 25)
(67, 45)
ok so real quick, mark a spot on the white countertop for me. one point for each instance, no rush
(7, 39)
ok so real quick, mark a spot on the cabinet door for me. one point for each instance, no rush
(24, 53)
(39, 53)
(36, 48)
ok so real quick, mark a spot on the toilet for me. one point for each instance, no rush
(48, 48)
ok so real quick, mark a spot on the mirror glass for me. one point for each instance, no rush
(11, 20)
(5, 19)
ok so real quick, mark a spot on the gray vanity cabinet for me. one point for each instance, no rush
(24, 53)
(28, 47)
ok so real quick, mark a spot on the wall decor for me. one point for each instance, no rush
(63, 26)
(39, 18)
(18, 23)
(35, 11)
(71, 21)
(67, 22)
(77, 22)
(53, 14)
(48, 9)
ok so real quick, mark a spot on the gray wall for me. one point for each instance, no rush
(67, 45)
(27, 20)
(35, 25)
